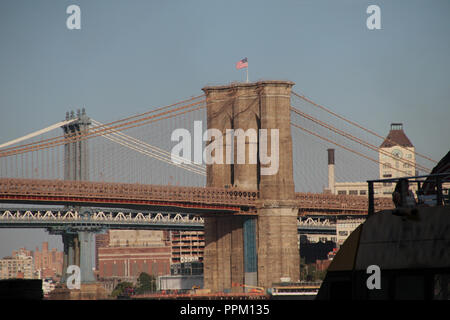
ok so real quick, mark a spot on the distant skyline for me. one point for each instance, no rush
(131, 56)
(31, 246)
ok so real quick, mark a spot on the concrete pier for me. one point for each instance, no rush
(78, 248)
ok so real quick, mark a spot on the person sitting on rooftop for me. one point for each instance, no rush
(403, 198)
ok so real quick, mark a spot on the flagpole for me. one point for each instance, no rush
(247, 72)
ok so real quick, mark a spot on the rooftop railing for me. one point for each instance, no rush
(431, 190)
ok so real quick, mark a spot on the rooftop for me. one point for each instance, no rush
(396, 137)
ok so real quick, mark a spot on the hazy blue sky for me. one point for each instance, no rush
(131, 55)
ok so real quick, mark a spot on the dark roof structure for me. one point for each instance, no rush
(396, 137)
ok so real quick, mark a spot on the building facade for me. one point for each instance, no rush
(101, 241)
(150, 249)
(27, 264)
(397, 158)
(344, 227)
(131, 252)
(130, 262)
(187, 246)
(18, 266)
(48, 263)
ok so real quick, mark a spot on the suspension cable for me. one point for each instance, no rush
(97, 132)
(163, 155)
(100, 131)
(339, 145)
(360, 141)
(150, 154)
(109, 124)
(354, 123)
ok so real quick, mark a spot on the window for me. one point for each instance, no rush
(115, 270)
(134, 269)
(387, 184)
(353, 192)
(342, 192)
(406, 165)
(409, 155)
(343, 233)
(362, 192)
(386, 165)
(387, 175)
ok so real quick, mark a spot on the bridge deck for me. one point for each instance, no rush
(169, 198)
(164, 198)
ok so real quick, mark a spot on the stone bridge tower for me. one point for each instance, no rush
(262, 249)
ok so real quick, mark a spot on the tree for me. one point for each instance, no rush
(121, 288)
(146, 283)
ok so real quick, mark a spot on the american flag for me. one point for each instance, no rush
(242, 64)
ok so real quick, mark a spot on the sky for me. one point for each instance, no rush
(132, 56)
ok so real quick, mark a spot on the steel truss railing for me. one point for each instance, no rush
(115, 219)
(108, 219)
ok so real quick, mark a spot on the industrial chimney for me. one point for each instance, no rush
(331, 170)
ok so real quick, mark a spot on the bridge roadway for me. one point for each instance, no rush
(57, 219)
(195, 200)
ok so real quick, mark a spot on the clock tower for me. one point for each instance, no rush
(396, 157)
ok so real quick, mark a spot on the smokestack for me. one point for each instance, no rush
(331, 170)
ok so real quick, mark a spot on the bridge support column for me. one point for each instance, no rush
(263, 249)
(87, 245)
(78, 248)
(224, 254)
(278, 254)
(69, 253)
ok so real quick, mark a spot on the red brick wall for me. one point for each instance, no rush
(131, 261)
(101, 241)
(49, 262)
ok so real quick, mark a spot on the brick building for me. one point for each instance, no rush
(126, 253)
(48, 263)
(101, 241)
(129, 262)
(27, 264)
(18, 266)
